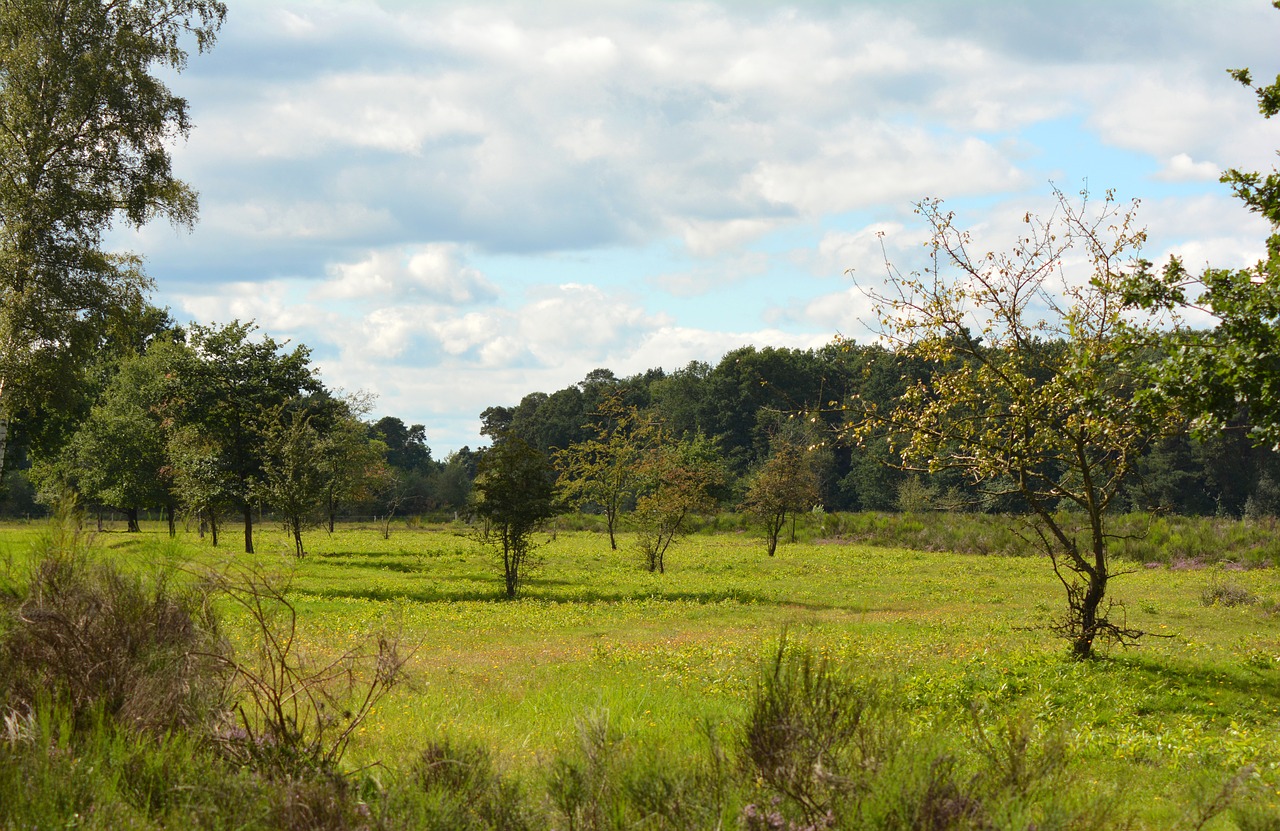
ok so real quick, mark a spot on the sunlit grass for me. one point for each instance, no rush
(664, 655)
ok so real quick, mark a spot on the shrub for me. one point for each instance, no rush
(94, 639)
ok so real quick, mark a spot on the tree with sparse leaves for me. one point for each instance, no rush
(294, 478)
(1037, 381)
(676, 480)
(601, 471)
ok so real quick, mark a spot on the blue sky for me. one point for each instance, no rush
(457, 203)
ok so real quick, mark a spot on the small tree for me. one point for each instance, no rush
(677, 479)
(514, 493)
(601, 471)
(295, 478)
(354, 465)
(1033, 390)
(787, 483)
(201, 479)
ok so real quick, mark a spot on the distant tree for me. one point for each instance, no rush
(601, 471)
(677, 479)
(786, 484)
(203, 479)
(354, 465)
(1038, 384)
(86, 126)
(514, 493)
(454, 479)
(225, 388)
(406, 444)
(117, 455)
(295, 477)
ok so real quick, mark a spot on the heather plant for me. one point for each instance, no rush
(86, 636)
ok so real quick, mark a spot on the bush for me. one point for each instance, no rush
(95, 640)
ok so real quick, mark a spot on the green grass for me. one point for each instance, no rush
(594, 636)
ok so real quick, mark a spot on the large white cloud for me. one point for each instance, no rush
(365, 163)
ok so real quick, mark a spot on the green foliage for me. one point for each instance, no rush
(786, 484)
(515, 493)
(86, 126)
(224, 392)
(602, 471)
(676, 479)
(295, 477)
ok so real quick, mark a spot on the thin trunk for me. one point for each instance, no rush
(132, 515)
(173, 525)
(213, 528)
(248, 528)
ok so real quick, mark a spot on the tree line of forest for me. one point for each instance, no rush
(218, 422)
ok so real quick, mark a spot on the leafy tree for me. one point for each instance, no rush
(514, 493)
(1032, 393)
(295, 477)
(226, 387)
(787, 483)
(202, 477)
(406, 444)
(452, 484)
(1219, 371)
(354, 465)
(119, 453)
(85, 128)
(601, 471)
(677, 478)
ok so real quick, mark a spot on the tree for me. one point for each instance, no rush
(119, 453)
(601, 471)
(227, 387)
(1231, 369)
(677, 478)
(406, 445)
(514, 493)
(85, 129)
(294, 480)
(354, 465)
(787, 483)
(1035, 384)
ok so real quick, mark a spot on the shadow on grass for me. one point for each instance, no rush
(356, 556)
(436, 594)
(1208, 682)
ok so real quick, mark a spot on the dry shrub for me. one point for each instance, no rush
(91, 638)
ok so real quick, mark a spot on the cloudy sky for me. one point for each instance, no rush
(457, 203)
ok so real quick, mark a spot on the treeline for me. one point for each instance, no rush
(752, 397)
(217, 422)
(221, 421)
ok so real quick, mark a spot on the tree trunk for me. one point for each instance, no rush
(213, 528)
(173, 525)
(248, 528)
(1089, 604)
(132, 515)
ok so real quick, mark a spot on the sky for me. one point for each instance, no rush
(454, 204)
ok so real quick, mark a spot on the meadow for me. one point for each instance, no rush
(1179, 730)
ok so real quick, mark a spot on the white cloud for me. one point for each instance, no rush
(1182, 168)
(434, 271)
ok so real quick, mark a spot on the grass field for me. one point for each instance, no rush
(957, 640)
